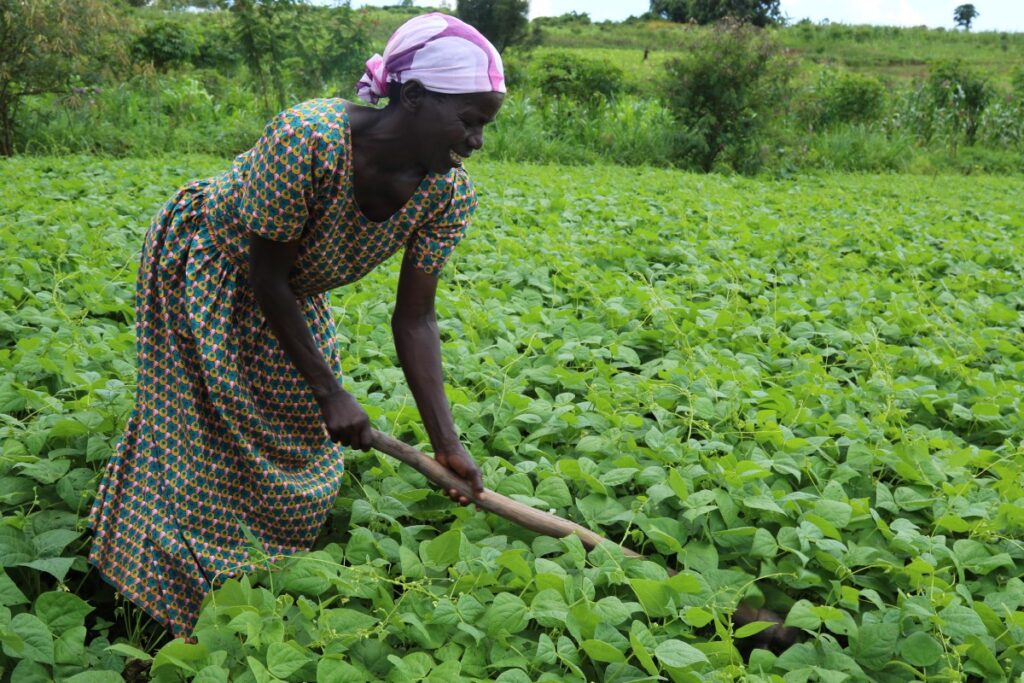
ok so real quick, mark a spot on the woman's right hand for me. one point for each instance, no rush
(345, 421)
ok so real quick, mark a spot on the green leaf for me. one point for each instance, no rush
(61, 611)
(129, 651)
(181, 655)
(51, 543)
(332, 670)
(56, 567)
(638, 633)
(212, 674)
(546, 649)
(442, 551)
(920, 649)
(10, 594)
(875, 644)
(284, 659)
(554, 492)
(14, 548)
(752, 628)
(412, 567)
(508, 613)
(655, 597)
(548, 608)
(678, 654)
(97, 677)
(345, 620)
(764, 545)
(802, 615)
(601, 652)
(37, 639)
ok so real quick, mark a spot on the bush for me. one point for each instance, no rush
(846, 97)
(958, 97)
(165, 44)
(563, 74)
(724, 92)
(216, 48)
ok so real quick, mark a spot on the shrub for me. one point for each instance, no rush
(563, 74)
(958, 96)
(724, 91)
(164, 44)
(843, 97)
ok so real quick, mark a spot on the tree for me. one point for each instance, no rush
(964, 15)
(756, 12)
(724, 91)
(48, 46)
(503, 22)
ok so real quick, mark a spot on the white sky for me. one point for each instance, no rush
(996, 15)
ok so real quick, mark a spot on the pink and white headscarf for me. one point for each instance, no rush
(443, 53)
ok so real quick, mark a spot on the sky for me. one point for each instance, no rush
(996, 15)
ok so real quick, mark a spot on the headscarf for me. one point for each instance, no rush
(443, 53)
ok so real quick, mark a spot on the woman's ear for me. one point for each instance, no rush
(413, 94)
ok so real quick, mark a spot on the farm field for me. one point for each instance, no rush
(802, 393)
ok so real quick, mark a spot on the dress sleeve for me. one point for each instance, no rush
(431, 245)
(278, 189)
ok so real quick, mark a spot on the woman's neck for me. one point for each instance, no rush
(380, 139)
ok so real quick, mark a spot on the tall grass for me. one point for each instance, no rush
(150, 114)
(628, 130)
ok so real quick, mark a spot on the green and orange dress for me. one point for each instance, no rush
(226, 439)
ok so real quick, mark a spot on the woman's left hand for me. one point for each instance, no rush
(459, 461)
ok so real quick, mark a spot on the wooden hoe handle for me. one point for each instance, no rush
(523, 515)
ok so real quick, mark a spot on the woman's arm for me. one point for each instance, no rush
(418, 346)
(270, 262)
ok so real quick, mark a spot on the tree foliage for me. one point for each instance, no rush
(503, 22)
(287, 43)
(723, 93)
(48, 46)
(963, 15)
(756, 12)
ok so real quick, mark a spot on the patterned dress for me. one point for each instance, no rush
(226, 442)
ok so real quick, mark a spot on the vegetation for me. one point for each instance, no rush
(831, 97)
(50, 46)
(757, 12)
(715, 371)
(504, 22)
(723, 92)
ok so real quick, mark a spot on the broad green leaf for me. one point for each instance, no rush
(284, 659)
(61, 611)
(97, 677)
(678, 654)
(507, 613)
(802, 615)
(10, 594)
(331, 670)
(35, 636)
(875, 644)
(601, 652)
(129, 651)
(920, 649)
(442, 551)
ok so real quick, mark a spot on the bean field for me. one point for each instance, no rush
(804, 394)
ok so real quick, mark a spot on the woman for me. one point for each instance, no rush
(240, 416)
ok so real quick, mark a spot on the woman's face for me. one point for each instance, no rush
(452, 127)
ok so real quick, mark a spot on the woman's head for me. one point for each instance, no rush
(447, 77)
(444, 54)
